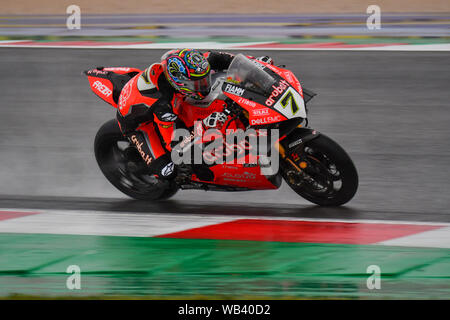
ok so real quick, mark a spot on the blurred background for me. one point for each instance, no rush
(382, 94)
(285, 20)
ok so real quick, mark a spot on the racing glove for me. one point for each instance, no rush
(215, 120)
(265, 59)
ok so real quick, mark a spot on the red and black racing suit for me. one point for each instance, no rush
(147, 99)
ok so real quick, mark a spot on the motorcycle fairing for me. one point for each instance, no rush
(284, 102)
(123, 70)
(189, 113)
(259, 113)
(288, 76)
(243, 171)
(237, 175)
(240, 176)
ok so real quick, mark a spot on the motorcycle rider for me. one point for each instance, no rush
(148, 99)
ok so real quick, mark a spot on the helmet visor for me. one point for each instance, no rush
(202, 85)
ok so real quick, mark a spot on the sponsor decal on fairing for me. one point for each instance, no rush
(102, 88)
(245, 175)
(125, 94)
(277, 90)
(265, 120)
(123, 69)
(237, 91)
(260, 112)
(96, 72)
(247, 102)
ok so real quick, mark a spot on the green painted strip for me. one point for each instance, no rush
(135, 266)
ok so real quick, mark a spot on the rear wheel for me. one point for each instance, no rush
(321, 171)
(124, 168)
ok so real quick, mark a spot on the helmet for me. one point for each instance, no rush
(188, 71)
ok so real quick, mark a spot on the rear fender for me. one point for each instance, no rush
(107, 83)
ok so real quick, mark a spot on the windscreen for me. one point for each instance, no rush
(201, 85)
(250, 74)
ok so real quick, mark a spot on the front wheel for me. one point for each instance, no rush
(321, 172)
(120, 162)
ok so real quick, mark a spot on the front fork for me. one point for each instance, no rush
(297, 137)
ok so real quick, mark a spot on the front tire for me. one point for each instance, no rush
(329, 177)
(118, 161)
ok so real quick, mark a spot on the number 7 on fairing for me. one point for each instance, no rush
(289, 99)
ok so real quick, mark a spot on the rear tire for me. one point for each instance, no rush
(331, 177)
(112, 152)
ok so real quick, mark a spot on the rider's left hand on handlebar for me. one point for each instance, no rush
(215, 120)
(265, 59)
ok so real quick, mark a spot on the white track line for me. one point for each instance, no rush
(439, 238)
(231, 216)
(102, 223)
(105, 223)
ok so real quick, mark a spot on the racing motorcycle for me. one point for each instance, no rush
(256, 96)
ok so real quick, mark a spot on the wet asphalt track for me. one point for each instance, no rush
(389, 110)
